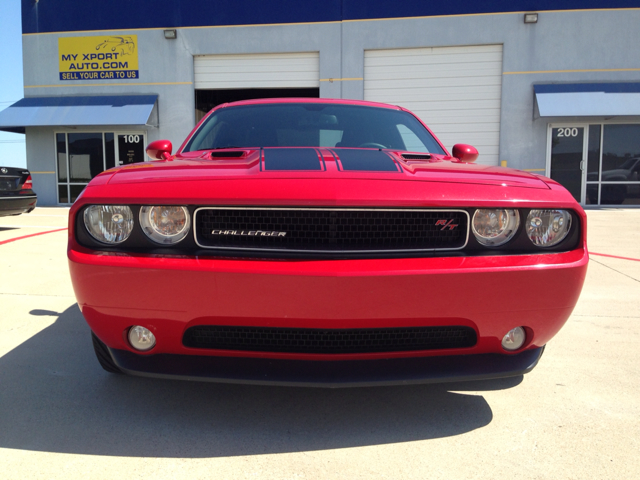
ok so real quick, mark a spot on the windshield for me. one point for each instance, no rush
(313, 125)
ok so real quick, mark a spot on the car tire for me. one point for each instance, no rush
(104, 357)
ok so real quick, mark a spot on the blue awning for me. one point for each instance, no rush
(588, 99)
(80, 111)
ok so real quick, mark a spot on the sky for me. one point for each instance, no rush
(12, 146)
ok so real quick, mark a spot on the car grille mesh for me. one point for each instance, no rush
(329, 341)
(330, 230)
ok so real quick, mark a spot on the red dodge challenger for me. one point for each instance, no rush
(324, 243)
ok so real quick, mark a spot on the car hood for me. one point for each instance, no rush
(318, 163)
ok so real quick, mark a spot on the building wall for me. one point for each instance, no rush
(41, 158)
(569, 46)
(78, 15)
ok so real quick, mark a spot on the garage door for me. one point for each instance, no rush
(454, 90)
(272, 70)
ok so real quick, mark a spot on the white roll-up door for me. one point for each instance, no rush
(269, 70)
(454, 90)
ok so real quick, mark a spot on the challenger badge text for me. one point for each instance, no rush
(248, 233)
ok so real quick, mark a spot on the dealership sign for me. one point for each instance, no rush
(98, 58)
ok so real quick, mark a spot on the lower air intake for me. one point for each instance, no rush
(329, 341)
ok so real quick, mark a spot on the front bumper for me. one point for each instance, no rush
(170, 294)
(355, 373)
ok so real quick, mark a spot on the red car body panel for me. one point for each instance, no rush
(169, 293)
(485, 295)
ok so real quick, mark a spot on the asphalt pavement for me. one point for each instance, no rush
(576, 416)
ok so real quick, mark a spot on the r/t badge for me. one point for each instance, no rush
(446, 224)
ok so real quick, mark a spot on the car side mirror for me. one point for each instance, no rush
(465, 153)
(159, 150)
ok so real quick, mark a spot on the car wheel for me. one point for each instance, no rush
(104, 357)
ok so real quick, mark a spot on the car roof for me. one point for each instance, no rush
(334, 101)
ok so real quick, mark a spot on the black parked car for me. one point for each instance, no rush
(16, 191)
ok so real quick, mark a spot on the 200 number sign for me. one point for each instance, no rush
(568, 132)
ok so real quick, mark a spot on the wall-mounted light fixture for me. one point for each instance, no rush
(528, 18)
(171, 34)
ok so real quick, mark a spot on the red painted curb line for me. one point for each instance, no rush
(32, 235)
(615, 256)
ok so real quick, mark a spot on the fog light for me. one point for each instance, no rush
(514, 339)
(142, 339)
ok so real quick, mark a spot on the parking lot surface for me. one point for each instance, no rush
(577, 415)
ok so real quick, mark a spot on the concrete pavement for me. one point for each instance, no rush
(61, 416)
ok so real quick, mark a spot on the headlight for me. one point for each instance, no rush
(495, 227)
(165, 225)
(546, 228)
(110, 224)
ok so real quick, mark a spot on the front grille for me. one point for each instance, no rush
(331, 230)
(330, 341)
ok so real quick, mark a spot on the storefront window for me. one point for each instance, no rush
(610, 154)
(620, 171)
(86, 156)
(61, 152)
(621, 153)
(82, 156)
(109, 150)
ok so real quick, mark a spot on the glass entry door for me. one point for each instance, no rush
(568, 158)
(83, 155)
(131, 148)
(598, 163)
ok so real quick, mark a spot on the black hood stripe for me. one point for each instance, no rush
(292, 159)
(365, 160)
(308, 159)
